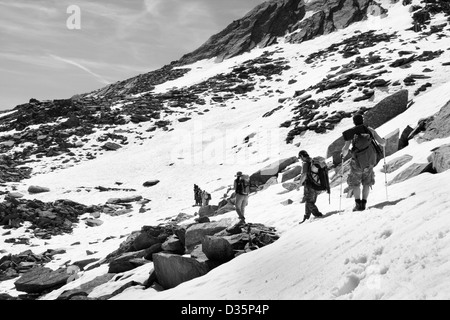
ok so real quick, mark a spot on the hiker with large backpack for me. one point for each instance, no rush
(242, 191)
(366, 154)
(311, 183)
(197, 195)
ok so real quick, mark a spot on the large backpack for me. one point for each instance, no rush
(364, 145)
(365, 150)
(318, 175)
(241, 186)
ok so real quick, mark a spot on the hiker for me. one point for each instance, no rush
(242, 190)
(205, 198)
(310, 194)
(364, 159)
(197, 195)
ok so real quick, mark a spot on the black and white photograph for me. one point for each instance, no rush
(224, 155)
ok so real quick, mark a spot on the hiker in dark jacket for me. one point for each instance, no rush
(242, 190)
(197, 195)
(362, 163)
(310, 195)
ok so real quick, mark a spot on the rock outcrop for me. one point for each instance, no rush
(276, 18)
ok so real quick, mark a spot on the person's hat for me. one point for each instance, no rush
(358, 119)
(303, 154)
(238, 174)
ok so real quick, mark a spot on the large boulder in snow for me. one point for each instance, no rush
(207, 211)
(86, 288)
(387, 109)
(397, 163)
(172, 270)
(440, 125)
(194, 234)
(404, 138)
(127, 261)
(217, 249)
(291, 173)
(392, 140)
(173, 245)
(41, 279)
(262, 176)
(37, 189)
(412, 171)
(440, 158)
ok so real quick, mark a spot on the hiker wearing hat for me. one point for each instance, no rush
(364, 159)
(242, 190)
(310, 194)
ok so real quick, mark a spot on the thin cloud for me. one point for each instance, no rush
(78, 65)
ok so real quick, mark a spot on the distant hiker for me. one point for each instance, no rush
(242, 190)
(310, 194)
(197, 195)
(205, 198)
(364, 159)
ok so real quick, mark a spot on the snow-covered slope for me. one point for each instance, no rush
(397, 249)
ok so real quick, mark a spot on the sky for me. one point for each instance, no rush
(54, 49)
(398, 249)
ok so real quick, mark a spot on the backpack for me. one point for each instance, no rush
(318, 175)
(208, 196)
(366, 150)
(241, 185)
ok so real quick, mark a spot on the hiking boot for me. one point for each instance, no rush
(358, 205)
(363, 205)
(319, 215)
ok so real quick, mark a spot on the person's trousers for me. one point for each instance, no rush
(310, 197)
(241, 203)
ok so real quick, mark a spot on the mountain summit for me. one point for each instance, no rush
(300, 20)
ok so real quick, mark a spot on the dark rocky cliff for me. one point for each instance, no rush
(277, 18)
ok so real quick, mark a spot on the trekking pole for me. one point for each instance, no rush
(342, 181)
(385, 173)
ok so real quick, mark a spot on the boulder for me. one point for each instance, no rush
(37, 189)
(440, 126)
(291, 173)
(271, 182)
(217, 249)
(172, 270)
(94, 222)
(412, 171)
(173, 245)
(272, 170)
(387, 109)
(111, 146)
(207, 211)
(124, 199)
(150, 183)
(396, 163)
(127, 261)
(83, 263)
(157, 247)
(392, 141)
(440, 158)
(86, 288)
(226, 208)
(404, 138)
(41, 279)
(195, 233)
(143, 241)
